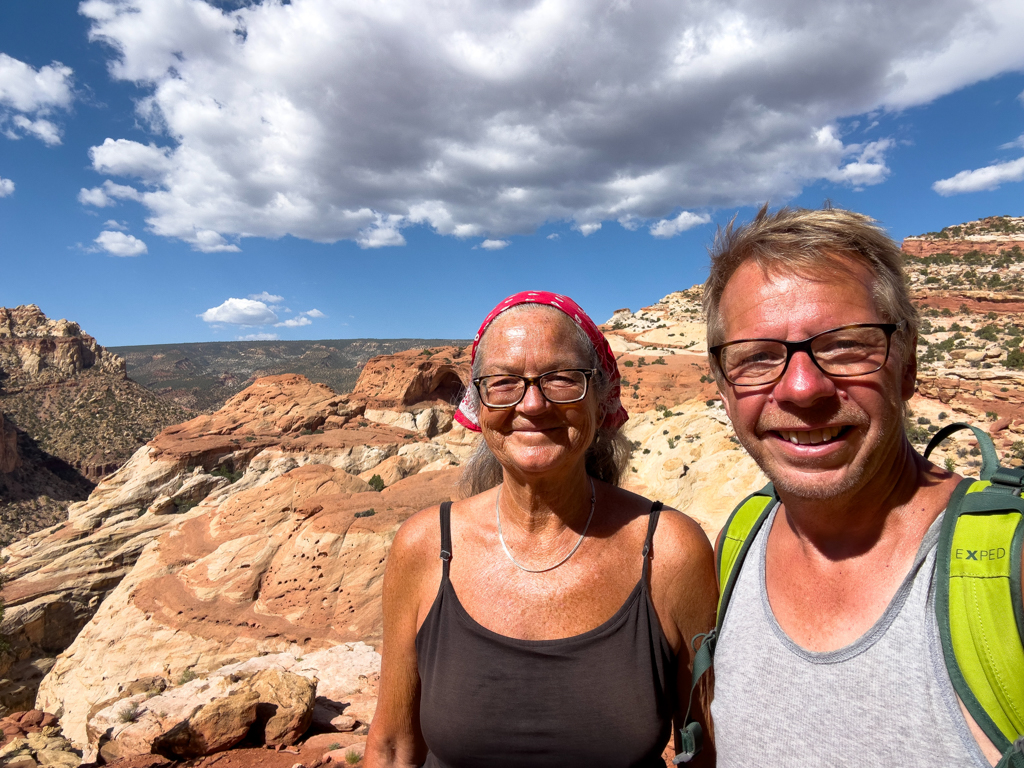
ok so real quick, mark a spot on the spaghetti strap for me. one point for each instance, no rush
(446, 536)
(652, 525)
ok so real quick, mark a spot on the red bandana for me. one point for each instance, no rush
(468, 414)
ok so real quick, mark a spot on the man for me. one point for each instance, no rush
(829, 654)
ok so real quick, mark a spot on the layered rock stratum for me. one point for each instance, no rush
(991, 235)
(256, 530)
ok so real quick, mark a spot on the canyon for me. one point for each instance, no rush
(251, 541)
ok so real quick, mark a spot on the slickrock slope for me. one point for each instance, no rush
(261, 442)
(76, 416)
(250, 531)
(990, 236)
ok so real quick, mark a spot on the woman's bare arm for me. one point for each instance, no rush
(395, 740)
(686, 580)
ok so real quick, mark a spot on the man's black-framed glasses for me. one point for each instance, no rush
(852, 350)
(506, 390)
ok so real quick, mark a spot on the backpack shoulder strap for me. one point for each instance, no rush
(740, 528)
(979, 610)
(739, 531)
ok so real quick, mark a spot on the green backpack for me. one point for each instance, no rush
(978, 597)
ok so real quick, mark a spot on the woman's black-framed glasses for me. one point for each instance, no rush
(851, 350)
(507, 390)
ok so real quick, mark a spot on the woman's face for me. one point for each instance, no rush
(536, 438)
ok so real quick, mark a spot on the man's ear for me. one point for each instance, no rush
(725, 403)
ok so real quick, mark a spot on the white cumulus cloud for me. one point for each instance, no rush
(684, 221)
(315, 313)
(120, 244)
(341, 119)
(266, 298)
(107, 194)
(258, 337)
(495, 245)
(240, 312)
(294, 322)
(6, 187)
(29, 96)
(989, 177)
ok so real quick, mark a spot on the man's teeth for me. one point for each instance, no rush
(810, 437)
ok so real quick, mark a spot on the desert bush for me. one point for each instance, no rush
(187, 675)
(376, 482)
(129, 713)
(227, 474)
(366, 513)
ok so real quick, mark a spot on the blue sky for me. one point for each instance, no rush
(177, 170)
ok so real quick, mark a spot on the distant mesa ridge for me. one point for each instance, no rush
(991, 235)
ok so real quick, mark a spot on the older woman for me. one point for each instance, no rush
(546, 620)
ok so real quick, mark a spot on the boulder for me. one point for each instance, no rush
(286, 703)
(213, 727)
(272, 699)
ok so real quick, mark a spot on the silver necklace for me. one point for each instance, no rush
(501, 537)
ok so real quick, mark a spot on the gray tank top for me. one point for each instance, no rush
(883, 700)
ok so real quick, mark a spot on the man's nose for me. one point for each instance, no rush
(803, 383)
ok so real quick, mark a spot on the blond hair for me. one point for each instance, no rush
(812, 243)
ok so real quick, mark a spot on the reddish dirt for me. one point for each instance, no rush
(310, 754)
(977, 302)
(675, 382)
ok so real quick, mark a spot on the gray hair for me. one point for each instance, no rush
(607, 456)
(811, 242)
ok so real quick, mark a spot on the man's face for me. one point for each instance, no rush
(815, 436)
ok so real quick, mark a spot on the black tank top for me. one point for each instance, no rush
(603, 698)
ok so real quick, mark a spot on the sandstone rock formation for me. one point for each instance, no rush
(59, 577)
(254, 530)
(271, 700)
(991, 235)
(74, 414)
(37, 350)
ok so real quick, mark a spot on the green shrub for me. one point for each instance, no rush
(184, 505)
(227, 474)
(187, 675)
(129, 713)
(333, 746)
(659, 361)
(377, 483)
(366, 513)
(988, 332)
(991, 415)
(923, 420)
(943, 415)
(949, 464)
(1015, 359)
(352, 757)
(628, 363)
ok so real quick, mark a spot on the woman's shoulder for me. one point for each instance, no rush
(675, 530)
(418, 538)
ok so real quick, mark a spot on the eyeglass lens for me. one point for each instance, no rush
(842, 352)
(557, 386)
